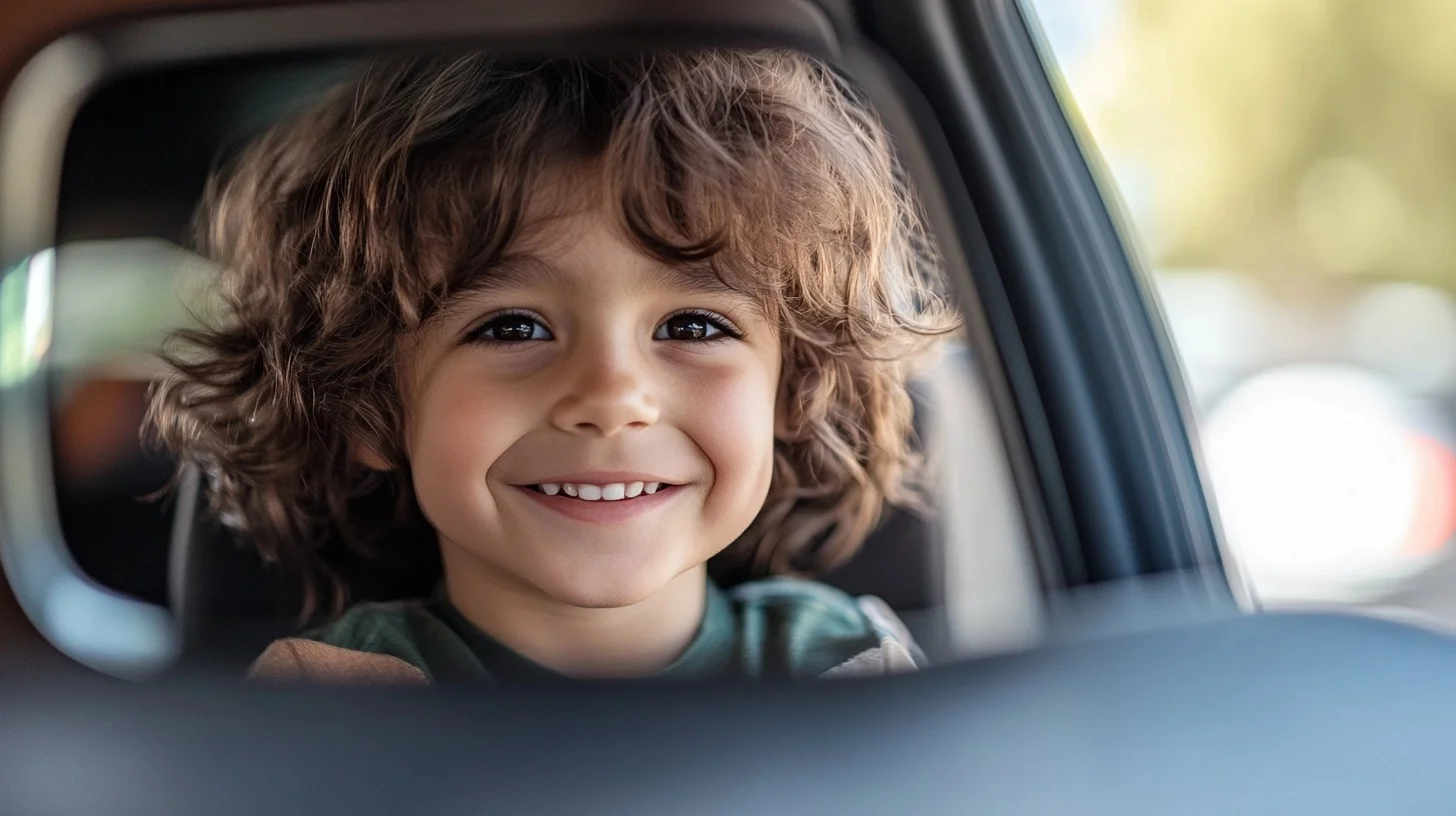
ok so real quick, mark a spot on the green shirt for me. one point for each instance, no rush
(774, 628)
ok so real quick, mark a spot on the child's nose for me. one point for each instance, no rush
(609, 394)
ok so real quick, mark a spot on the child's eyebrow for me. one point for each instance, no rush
(523, 271)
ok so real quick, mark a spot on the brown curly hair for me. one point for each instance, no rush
(341, 230)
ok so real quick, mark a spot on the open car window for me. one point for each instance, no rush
(126, 271)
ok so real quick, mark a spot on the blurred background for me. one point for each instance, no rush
(1288, 168)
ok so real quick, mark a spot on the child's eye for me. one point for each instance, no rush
(695, 326)
(510, 328)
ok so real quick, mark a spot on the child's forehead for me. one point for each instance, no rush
(643, 274)
(572, 234)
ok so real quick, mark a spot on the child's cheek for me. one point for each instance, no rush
(461, 426)
(729, 413)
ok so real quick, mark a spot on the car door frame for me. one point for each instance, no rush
(1104, 409)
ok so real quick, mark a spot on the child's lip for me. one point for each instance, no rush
(601, 477)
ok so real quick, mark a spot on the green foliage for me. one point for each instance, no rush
(1287, 138)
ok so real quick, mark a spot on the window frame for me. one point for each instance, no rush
(1108, 419)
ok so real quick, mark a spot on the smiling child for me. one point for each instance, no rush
(598, 321)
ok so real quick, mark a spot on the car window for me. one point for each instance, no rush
(1288, 170)
(958, 572)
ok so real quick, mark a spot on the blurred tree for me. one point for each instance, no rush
(1290, 139)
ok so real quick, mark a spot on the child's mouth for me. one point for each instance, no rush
(614, 491)
(602, 503)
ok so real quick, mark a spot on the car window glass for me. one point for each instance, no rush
(1287, 169)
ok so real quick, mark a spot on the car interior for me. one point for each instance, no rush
(150, 139)
(1093, 647)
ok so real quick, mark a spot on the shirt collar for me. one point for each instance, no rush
(709, 655)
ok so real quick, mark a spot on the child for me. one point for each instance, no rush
(598, 321)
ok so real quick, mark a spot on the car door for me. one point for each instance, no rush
(1100, 440)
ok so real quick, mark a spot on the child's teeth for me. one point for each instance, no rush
(615, 491)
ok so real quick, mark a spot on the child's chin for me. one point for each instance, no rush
(596, 591)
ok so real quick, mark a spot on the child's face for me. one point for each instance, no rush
(585, 366)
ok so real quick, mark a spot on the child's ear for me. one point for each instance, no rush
(366, 455)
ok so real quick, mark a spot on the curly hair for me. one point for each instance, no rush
(344, 228)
